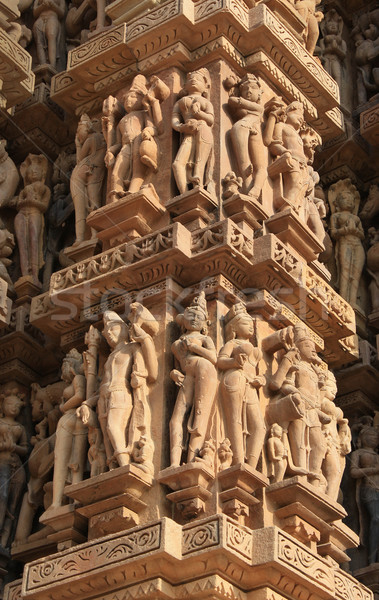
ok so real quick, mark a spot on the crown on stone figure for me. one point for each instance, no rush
(200, 302)
(139, 85)
(237, 310)
(112, 317)
(300, 333)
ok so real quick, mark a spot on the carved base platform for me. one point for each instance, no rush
(111, 501)
(26, 288)
(193, 208)
(127, 218)
(36, 546)
(288, 227)
(245, 211)
(44, 73)
(69, 526)
(369, 576)
(190, 484)
(238, 484)
(311, 517)
(82, 251)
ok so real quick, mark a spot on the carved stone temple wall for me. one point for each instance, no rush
(189, 299)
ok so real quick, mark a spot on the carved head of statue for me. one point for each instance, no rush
(84, 128)
(250, 88)
(115, 329)
(195, 316)
(343, 195)
(72, 365)
(295, 114)
(12, 402)
(34, 168)
(276, 430)
(368, 437)
(198, 82)
(305, 344)
(238, 323)
(332, 24)
(133, 97)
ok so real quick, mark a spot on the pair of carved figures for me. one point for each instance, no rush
(308, 435)
(106, 400)
(366, 38)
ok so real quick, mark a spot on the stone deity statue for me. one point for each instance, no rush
(297, 405)
(333, 47)
(122, 401)
(70, 451)
(13, 451)
(366, 37)
(7, 245)
(347, 231)
(45, 413)
(276, 454)
(246, 133)
(193, 118)
(195, 375)
(364, 467)
(238, 360)
(32, 203)
(47, 29)
(132, 149)
(87, 177)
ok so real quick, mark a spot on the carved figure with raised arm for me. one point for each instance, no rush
(70, 451)
(13, 451)
(122, 401)
(132, 147)
(45, 413)
(297, 405)
(48, 15)
(246, 133)
(364, 467)
(32, 203)
(347, 231)
(87, 177)
(193, 118)
(238, 360)
(195, 375)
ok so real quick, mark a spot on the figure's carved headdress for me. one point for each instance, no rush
(201, 303)
(139, 85)
(112, 317)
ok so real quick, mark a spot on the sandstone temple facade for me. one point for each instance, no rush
(189, 299)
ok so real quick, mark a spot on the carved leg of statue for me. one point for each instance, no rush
(312, 34)
(25, 519)
(202, 153)
(79, 452)
(100, 16)
(256, 150)
(39, 38)
(79, 198)
(121, 171)
(240, 139)
(17, 482)
(5, 473)
(296, 438)
(52, 36)
(332, 473)
(21, 229)
(35, 230)
(62, 454)
(179, 166)
(204, 393)
(358, 261)
(291, 186)
(369, 497)
(117, 422)
(257, 431)
(232, 397)
(182, 407)
(316, 454)
(139, 171)
(314, 221)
